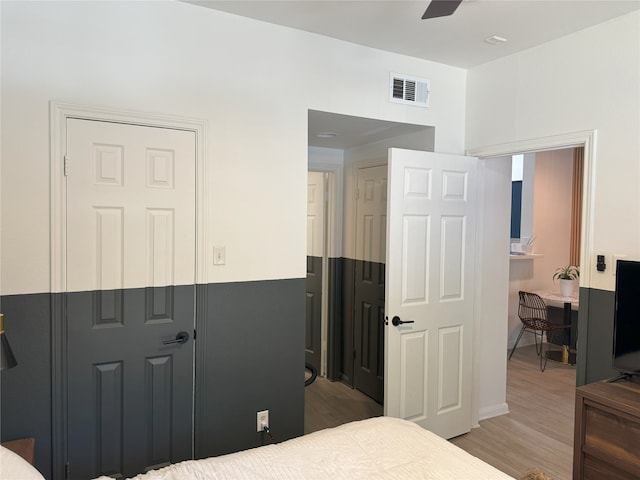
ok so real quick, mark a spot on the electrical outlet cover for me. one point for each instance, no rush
(262, 420)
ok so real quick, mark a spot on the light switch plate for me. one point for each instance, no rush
(219, 255)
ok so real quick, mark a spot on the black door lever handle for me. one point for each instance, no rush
(181, 337)
(396, 321)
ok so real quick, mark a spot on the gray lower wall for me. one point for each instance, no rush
(595, 336)
(313, 313)
(336, 301)
(249, 357)
(26, 389)
(345, 349)
(253, 360)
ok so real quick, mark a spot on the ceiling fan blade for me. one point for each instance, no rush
(441, 8)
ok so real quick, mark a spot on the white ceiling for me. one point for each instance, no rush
(456, 40)
(396, 26)
(354, 131)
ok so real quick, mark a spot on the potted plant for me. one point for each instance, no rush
(567, 277)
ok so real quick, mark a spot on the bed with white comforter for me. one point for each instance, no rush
(381, 448)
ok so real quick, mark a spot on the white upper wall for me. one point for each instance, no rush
(252, 82)
(585, 81)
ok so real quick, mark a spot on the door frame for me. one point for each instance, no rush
(358, 170)
(329, 336)
(584, 138)
(319, 323)
(59, 112)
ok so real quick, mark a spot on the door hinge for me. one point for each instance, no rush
(66, 470)
(354, 354)
(66, 166)
(357, 193)
(194, 334)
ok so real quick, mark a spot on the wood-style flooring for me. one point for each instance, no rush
(537, 433)
(329, 404)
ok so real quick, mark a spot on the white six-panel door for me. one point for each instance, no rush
(130, 290)
(430, 278)
(315, 214)
(146, 205)
(371, 214)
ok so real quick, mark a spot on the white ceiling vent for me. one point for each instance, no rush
(409, 90)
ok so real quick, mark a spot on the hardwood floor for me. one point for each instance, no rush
(538, 431)
(536, 434)
(329, 404)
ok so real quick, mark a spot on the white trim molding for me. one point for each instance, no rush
(493, 411)
(336, 204)
(59, 112)
(586, 139)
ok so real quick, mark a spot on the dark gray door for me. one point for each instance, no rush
(130, 273)
(129, 395)
(369, 329)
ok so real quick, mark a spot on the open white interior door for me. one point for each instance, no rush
(429, 282)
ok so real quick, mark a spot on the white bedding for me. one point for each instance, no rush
(378, 448)
(14, 467)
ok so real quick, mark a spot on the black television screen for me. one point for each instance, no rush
(626, 338)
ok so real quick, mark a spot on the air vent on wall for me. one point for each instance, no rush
(409, 90)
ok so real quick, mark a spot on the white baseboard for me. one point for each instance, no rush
(493, 411)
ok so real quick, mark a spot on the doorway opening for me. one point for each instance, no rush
(491, 323)
(495, 161)
(549, 219)
(345, 149)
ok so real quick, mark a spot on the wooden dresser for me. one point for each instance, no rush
(607, 431)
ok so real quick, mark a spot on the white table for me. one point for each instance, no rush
(555, 299)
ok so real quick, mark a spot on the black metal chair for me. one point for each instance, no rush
(532, 311)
